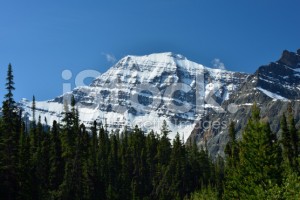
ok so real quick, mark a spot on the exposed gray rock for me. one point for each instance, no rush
(273, 87)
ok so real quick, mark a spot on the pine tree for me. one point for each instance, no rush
(126, 164)
(103, 153)
(24, 165)
(151, 159)
(163, 158)
(93, 175)
(194, 165)
(34, 139)
(79, 180)
(56, 172)
(273, 153)
(140, 173)
(205, 166)
(219, 176)
(164, 147)
(43, 163)
(9, 140)
(286, 141)
(113, 168)
(39, 161)
(232, 164)
(231, 149)
(69, 137)
(259, 166)
(33, 107)
(294, 138)
(176, 171)
(10, 88)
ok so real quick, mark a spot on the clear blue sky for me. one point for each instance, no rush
(42, 38)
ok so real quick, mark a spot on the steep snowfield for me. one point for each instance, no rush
(272, 95)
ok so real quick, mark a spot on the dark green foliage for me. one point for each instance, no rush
(259, 171)
(9, 142)
(93, 177)
(9, 97)
(56, 163)
(294, 137)
(69, 162)
(232, 149)
(24, 165)
(286, 141)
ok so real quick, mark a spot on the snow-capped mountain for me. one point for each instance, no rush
(144, 91)
(196, 101)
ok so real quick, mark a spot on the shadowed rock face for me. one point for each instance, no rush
(281, 77)
(290, 59)
(273, 87)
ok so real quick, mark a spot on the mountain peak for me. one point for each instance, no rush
(165, 61)
(163, 56)
(290, 59)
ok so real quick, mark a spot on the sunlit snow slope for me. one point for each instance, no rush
(144, 91)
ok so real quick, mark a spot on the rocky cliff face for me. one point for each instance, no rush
(272, 87)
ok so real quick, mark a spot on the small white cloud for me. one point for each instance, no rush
(110, 57)
(218, 64)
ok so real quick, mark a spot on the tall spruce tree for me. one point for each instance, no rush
(232, 161)
(294, 138)
(163, 158)
(176, 170)
(287, 143)
(79, 182)
(9, 140)
(70, 132)
(259, 165)
(56, 172)
(43, 163)
(93, 175)
(231, 149)
(103, 153)
(33, 134)
(24, 165)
